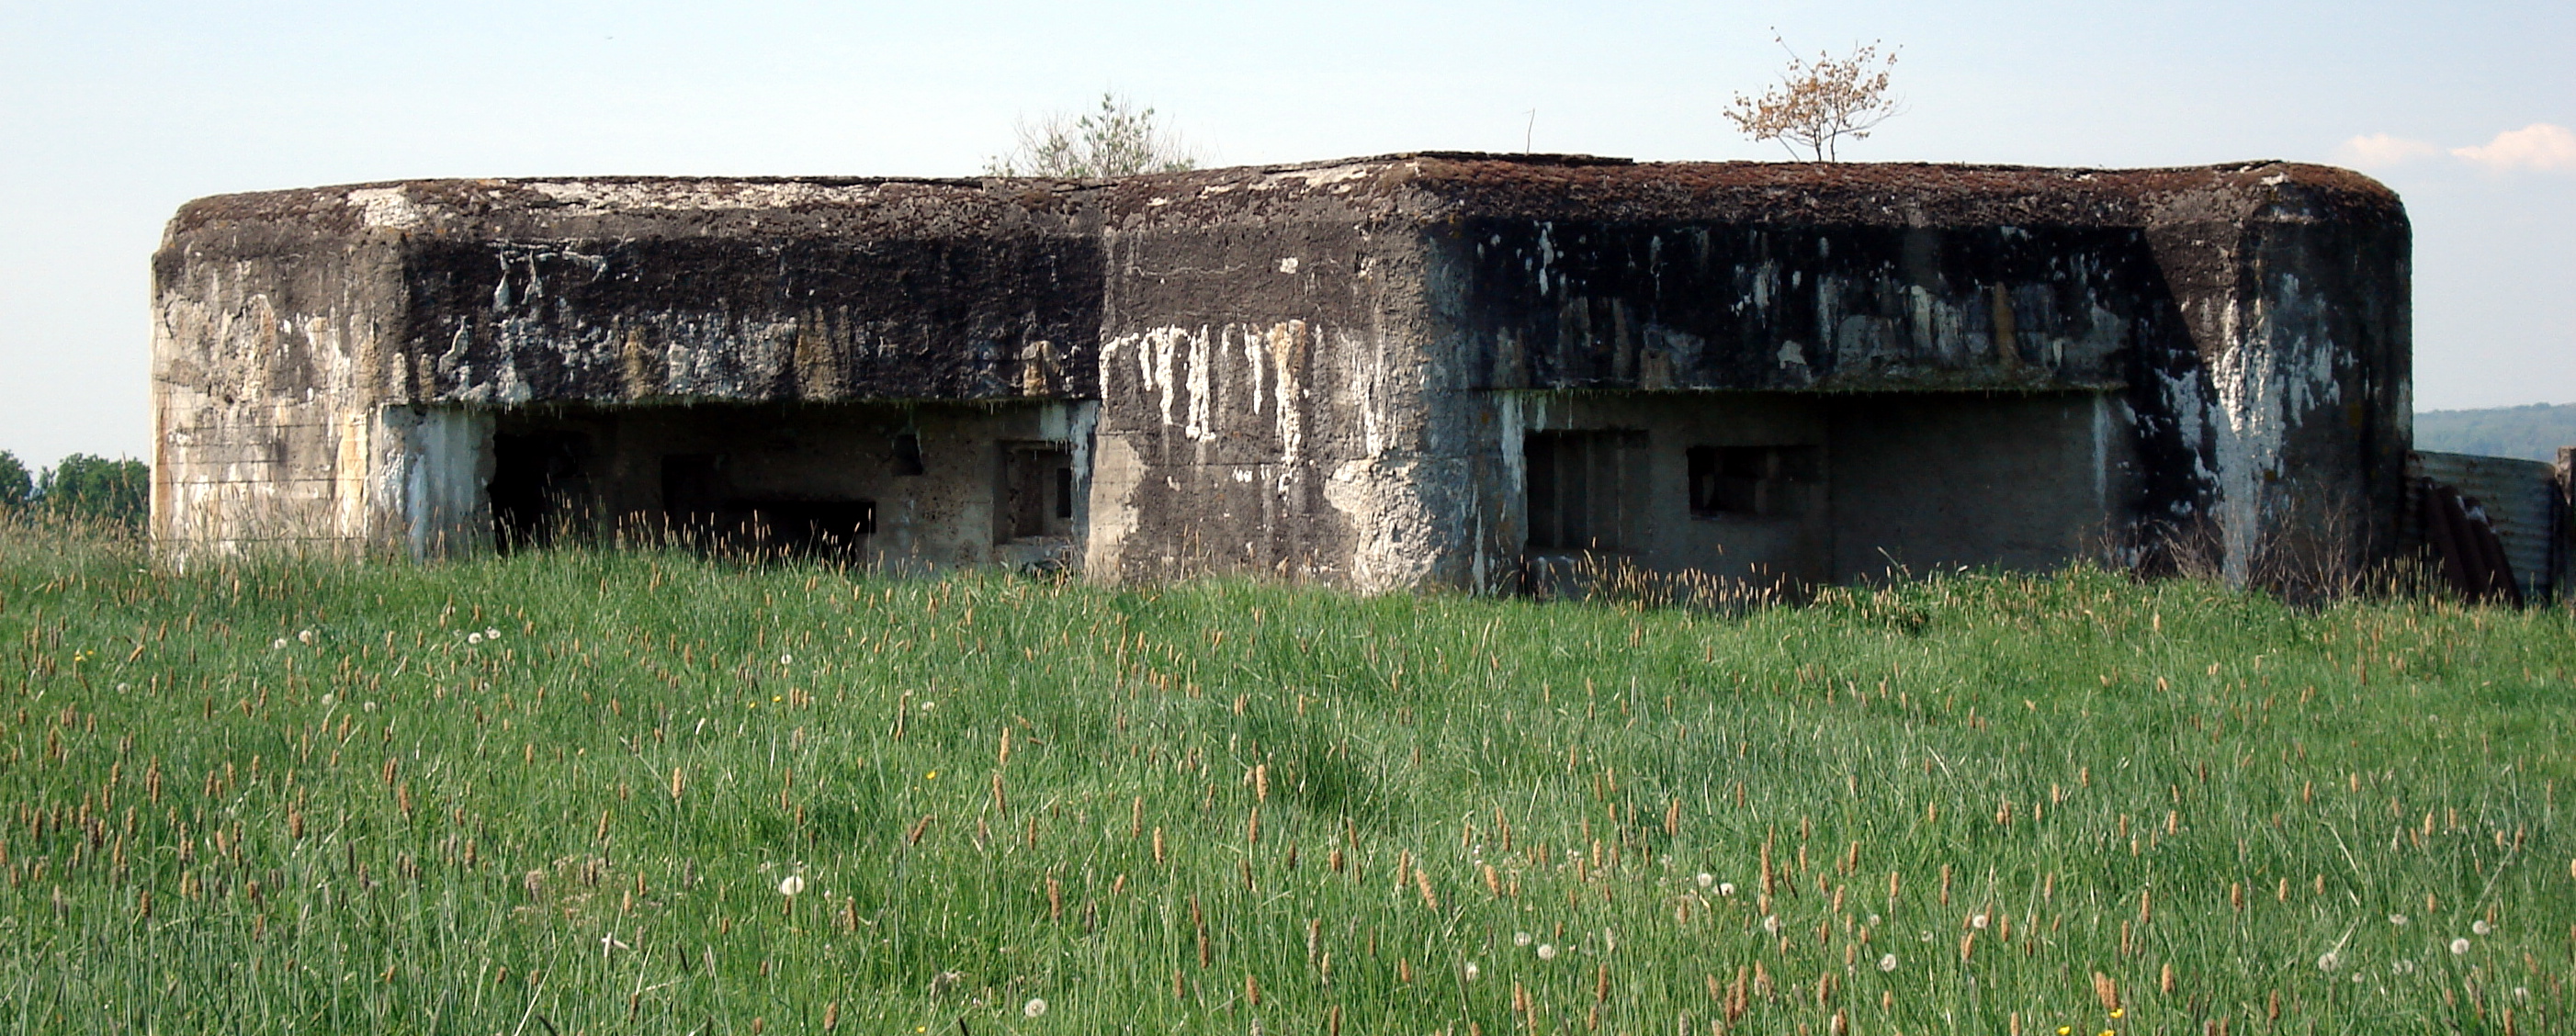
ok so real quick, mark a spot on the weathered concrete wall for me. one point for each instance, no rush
(1265, 400)
(2304, 378)
(267, 344)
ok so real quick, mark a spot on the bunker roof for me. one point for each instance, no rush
(1424, 186)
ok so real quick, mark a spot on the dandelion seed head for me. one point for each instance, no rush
(2329, 961)
(327, 699)
(791, 884)
(1520, 938)
(2403, 967)
(2459, 947)
(1547, 951)
(2397, 919)
(1887, 962)
(1706, 879)
(1771, 923)
(791, 660)
(474, 638)
(1726, 888)
(370, 706)
(1035, 1007)
(2482, 928)
(277, 645)
(1977, 922)
(929, 705)
(124, 687)
(1473, 972)
(493, 633)
(304, 635)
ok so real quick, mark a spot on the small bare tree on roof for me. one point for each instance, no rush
(1818, 103)
(1117, 140)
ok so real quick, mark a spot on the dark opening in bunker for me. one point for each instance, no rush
(1752, 481)
(1036, 492)
(701, 503)
(907, 454)
(919, 486)
(1587, 490)
(692, 491)
(540, 486)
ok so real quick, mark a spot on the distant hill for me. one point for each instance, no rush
(2532, 432)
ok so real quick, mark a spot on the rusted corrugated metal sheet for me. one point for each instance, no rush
(2521, 501)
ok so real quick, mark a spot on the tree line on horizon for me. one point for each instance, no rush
(2533, 432)
(83, 486)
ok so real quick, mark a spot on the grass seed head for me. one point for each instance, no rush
(2106, 991)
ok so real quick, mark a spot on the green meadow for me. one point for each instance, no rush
(592, 792)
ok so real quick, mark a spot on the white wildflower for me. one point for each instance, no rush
(277, 645)
(1033, 1008)
(2329, 961)
(2459, 947)
(1706, 879)
(1546, 951)
(2397, 919)
(474, 638)
(327, 699)
(305, 636)
(1771, 923)
(1887, 962)
(791, 885)
(1977, 922)
(2403, 967)
(2482, 928)
(1520, 938)
(1726, 888)
(370, 706)
(1473, 972)
(493, 633)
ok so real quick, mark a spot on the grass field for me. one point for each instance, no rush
(573, 792)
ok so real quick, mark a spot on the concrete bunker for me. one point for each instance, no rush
(1457, 370)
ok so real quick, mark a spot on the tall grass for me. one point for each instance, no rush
(565, 792)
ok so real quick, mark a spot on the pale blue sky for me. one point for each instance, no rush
(112, 114)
